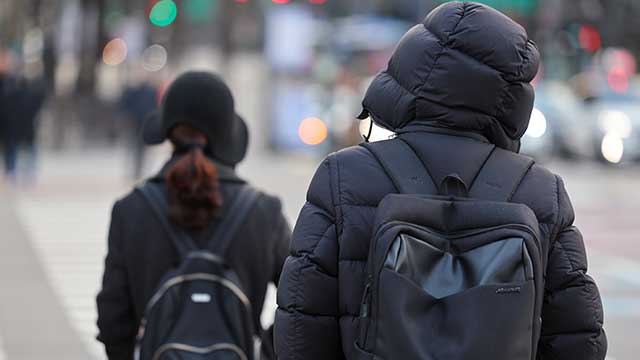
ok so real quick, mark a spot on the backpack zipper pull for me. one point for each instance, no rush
(366, 300)
(365, 309)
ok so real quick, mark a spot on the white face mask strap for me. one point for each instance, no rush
(368, 135)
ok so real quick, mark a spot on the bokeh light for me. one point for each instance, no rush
(280, 2)
(313, 131)
(537, 124)
(612, 148)
(115, 52)
(616, 123)
(618, 79)
(163, 13)
(589, 38)
(621, 58)
(154, 58)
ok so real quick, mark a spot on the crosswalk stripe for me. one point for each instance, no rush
(71, 247)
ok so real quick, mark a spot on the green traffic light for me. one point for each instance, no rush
(163, 13)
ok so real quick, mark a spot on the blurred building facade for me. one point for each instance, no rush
(88, 51)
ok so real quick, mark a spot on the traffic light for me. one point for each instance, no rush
(163, 13)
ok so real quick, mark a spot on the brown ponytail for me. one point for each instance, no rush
(194, 190)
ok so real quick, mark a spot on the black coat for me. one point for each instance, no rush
(453, 101)
(140, 253)
(20, 103)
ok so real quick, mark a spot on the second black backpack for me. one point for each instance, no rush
(199, 311)
(453, 274)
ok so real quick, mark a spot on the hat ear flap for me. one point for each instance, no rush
(153, 132)
(234, 151)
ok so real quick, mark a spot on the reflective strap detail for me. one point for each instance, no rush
(205, 255)
(200, 350)
(186, 278)
(198, 276)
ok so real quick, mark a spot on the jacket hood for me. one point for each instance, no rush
(465, 67)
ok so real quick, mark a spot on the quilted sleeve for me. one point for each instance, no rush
(115, 311)
(572, 315)
(306, 326)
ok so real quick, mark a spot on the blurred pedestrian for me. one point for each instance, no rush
(8, 89)
(20, 101)
(31, 102)
(137, 102)
(486, 263)
(152, 242)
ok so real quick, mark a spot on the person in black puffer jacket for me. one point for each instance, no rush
(209, 140)
(456, 89)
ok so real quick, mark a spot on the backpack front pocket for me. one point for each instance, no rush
(412, 324)
(435, 300)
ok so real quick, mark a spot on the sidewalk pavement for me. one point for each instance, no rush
(33, 324)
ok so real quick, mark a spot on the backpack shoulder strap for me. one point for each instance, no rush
(160, 207)
(402, 165)
(224, 232)
(500, 176)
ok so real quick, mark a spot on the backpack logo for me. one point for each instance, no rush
(200, 298)
(509, 290)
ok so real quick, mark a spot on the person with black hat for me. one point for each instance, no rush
(199, 183)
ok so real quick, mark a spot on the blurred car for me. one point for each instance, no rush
(616, 127)
(559, 125)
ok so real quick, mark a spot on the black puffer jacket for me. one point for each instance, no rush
(141, 253)
(457, 86)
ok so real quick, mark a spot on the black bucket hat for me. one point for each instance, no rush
(204, 101)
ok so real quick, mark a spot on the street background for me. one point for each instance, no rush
(298, 69)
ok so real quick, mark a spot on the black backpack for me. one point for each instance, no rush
(199, 311)
(453, 274)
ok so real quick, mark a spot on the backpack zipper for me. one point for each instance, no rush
(457, 234)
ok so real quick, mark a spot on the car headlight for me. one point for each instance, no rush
(615, 123)
(537, 124)
(612, 148)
